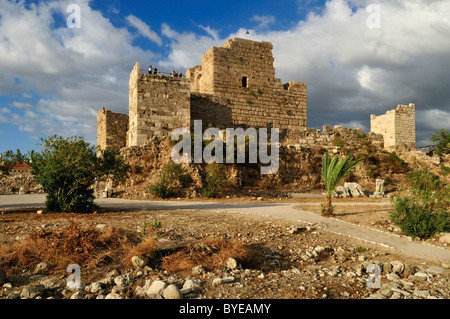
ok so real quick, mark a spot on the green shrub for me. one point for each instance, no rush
(172, 178)
(216, 176)
(426, 211)
(68, 167)
(442, 141)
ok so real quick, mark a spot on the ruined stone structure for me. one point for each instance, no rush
(398, 127)
(111, 129)
(328, 137)
(158, 105)
(235, 86)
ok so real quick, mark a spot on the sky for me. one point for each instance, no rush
(61, 61)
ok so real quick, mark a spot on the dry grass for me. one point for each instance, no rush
(93, 249)
(146, 248)
(88, 247)
(210, 253)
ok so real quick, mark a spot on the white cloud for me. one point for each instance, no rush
(144, 29)
(74, 71)
(213, 33)
(263, 21)
(21, 105)
(352, 70)
(187, 48)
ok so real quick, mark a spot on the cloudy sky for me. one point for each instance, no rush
(60, 65)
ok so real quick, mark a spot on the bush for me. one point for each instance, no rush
(425, 212)
(67, 168)
(442, 140)
(216, 176)
(172, 178)
(111, 166)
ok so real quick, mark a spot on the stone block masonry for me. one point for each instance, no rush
(157, 105)
(235, 86)
(111, 129)
(328, 137)
(241, 74)
(398, 127)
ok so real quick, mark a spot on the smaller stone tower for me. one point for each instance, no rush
(111, 129)
(398, 127)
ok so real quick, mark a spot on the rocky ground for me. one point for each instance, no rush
(271, 258)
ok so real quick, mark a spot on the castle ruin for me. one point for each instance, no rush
(398, 127)
(235, 86)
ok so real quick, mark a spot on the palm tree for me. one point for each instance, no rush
(333, 172)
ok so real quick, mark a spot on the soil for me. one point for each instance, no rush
(270, 240)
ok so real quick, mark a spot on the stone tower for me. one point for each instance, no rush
(238, 79)
(235, 86)
(157, 105)
(398, 127)
(111, 129)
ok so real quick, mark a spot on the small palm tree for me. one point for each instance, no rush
(334, 170)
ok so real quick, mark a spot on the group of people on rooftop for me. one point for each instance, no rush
(154, 70)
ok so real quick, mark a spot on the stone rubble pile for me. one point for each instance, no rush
(19, 184)
(397, 281)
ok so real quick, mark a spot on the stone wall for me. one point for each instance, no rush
(241, 73)
(111, 129)
(19, 184)
(398, 127)
(336, 136)
(213, 110)
(157, 105)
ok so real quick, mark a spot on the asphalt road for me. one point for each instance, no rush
(281, 210)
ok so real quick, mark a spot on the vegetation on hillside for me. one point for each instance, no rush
(425, 211)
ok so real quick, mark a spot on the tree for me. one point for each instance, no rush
(67, 168)
(9, 158)
(333, 172)
(442, 141)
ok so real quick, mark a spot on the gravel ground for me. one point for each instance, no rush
(299, 261)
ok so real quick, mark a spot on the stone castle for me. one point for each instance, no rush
(235, 86)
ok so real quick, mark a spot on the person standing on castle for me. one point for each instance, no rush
(149, 69)
(155, 70)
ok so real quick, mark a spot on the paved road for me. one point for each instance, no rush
(280, 210)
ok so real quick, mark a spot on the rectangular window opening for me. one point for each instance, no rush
(244, 82)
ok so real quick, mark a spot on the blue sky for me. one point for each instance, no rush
(54, 79)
